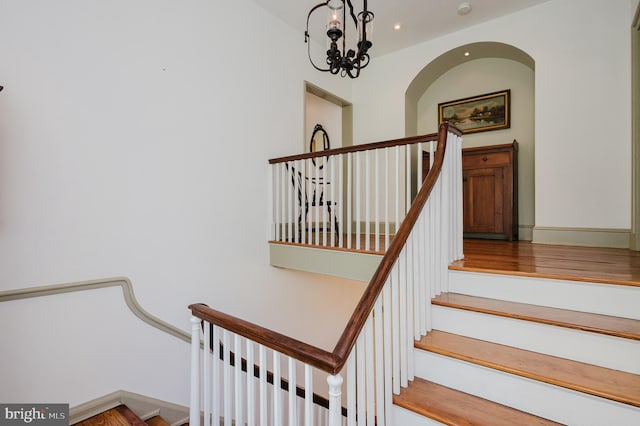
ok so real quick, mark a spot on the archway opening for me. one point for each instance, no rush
(475, 69)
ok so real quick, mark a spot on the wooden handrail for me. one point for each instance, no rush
(333, 362)
(364, 147)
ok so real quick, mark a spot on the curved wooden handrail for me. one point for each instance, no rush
(333, 362)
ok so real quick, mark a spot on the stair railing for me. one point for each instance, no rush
(362, 191)
(376, 344)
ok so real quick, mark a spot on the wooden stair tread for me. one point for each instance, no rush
(117, 416)
(596, 323)
(599, 381)
(157, 421)
(452, 407)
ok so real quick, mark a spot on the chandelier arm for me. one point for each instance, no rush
(311, 59)
(317, 6)
(307, 37)
(353, 15)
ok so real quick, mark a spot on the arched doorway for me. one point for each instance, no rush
(488, 67)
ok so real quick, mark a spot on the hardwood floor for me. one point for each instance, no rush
(607, 265)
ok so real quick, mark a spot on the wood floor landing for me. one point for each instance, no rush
(594, 264)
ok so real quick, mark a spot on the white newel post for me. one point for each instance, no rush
(194, 405)
(335, 400)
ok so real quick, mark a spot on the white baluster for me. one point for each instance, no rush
(217, 377)
(332, 199)
(262, 362)
(226, 412)
(367, 200)
(271, 232)
(395, 297)
(358, 192)
(284, 178)
(402, 260)
(308, 395)
(397, 189)
(407, 167)
(277, 394)
(276, 200)
(207, 391)
(323, 161)
(335, 399)
(376, 200)
(296, 204)
(370, 371)
(349, 197)
(351, 388)
(388, 372)
(290, 205)
(361, 384)
(251, 389)
(237, 381)
(293, 418)
(317, 193)
(194, 401)
(419, 167)
(379, 341)
(303, 200)
(421, 295)
(340, 205)
(386, 199)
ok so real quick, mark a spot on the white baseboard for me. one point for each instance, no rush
(591, 237)
(525, 232)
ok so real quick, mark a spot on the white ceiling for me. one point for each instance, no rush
(420, 20)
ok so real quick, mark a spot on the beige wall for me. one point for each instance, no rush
(480, 76)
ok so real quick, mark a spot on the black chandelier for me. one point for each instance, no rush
(339, 59)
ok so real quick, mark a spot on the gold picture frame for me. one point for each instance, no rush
(482, 113)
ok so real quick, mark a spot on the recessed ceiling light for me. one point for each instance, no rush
(396, 27)
(464, 8)
(466, 53)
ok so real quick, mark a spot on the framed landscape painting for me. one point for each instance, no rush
(491, 111)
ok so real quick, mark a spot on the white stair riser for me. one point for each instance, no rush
(592, 348)
(544, 400)
(403, 417)
(606, 299)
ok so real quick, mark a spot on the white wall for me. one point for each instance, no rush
(582, 58)
(486, 75)
(134, 139)
(328, 114)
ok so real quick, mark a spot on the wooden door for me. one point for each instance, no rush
(483, 200)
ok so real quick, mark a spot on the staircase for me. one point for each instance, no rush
(527, 350)
(510, 347)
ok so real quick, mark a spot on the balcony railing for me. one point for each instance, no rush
(352, 198)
